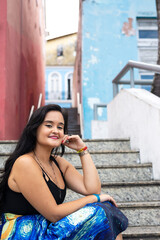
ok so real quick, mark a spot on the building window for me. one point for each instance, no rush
(145, 76)
(54, 87)
(147, 45)
(148, 34)
(59, 51)
(68, 86)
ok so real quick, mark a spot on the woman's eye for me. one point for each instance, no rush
(60, 128)
(48, 125)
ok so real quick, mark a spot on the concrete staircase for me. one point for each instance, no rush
(124, 178)
(129, 182)
(73, 121)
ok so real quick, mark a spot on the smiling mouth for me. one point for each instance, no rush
(54, 137)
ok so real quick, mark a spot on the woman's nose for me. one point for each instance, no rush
(54, 129)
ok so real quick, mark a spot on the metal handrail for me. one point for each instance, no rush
(130, 67)
(80, 112)
(38, 106)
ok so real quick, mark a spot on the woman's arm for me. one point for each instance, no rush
(28, 178)
(87, 184)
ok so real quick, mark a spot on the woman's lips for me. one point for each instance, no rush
(53, 137)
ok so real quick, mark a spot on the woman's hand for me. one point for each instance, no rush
(106, 197)
(73, 142)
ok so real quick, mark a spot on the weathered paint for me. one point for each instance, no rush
(127, 28)
(68, 43)
(107, 47)
(22, 63)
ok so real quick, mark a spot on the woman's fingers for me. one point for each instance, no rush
(106, 197)
(73, 141)
(113, 201)
(65, 139)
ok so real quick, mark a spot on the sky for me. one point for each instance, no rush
(62, 17)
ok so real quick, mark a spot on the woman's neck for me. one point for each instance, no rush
(42, 153)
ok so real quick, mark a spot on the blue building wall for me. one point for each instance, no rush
(105, 49)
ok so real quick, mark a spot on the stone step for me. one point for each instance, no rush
(142, 233)
(142, 213)
(7, 147)
(127, 191)
(74, 129)
(106, 145)
(133, 191)
(72, 115)
(124, 173)
(106, 157)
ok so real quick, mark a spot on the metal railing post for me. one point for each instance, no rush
(95, 112)
(39, 100)
(115, 89)
(132, 77)
(31, 112)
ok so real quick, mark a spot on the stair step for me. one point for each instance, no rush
(72, 113)
(74, 132)
(108, 144)
(127, 191)
(142, 213)
(73, 125)
(93, 145)
(135, 165)
(106, 157)
(7, 147)
(134, 172)
(148, 216)
(137, 172)
(142, 233)
(133, 205)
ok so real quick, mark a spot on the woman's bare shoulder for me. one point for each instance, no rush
(25, 161)
(24, 168)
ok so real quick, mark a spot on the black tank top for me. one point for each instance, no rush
(17, 204)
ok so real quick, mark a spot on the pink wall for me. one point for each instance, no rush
(2, 64)
(77, 75)
(22, 76)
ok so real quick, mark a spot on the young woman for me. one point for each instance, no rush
(34, 181)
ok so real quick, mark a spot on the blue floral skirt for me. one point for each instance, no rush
(94, 221)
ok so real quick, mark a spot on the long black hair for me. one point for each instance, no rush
(27, 143)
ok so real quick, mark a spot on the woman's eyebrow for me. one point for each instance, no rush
(49, 121)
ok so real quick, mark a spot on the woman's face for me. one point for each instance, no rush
(51, 131)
